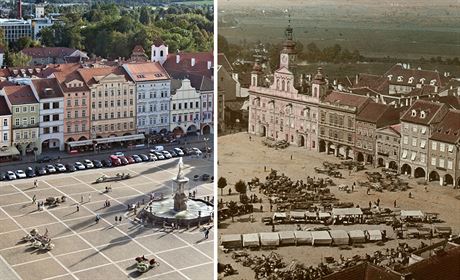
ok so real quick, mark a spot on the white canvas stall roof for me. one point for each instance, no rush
(357, 235)
(251, 240)
(310, 214)
(286, 237)
(412, 213)
(269, 239)
(339, 237)
(347, 211)
(231, 240)
(321, 237)
(303, 237)
(324, 215)
(374, 235)
(297, 214)
(106, 140)
(279, 215)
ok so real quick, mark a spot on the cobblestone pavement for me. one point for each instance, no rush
(85, 249)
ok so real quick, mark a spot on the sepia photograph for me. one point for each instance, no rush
(338, 139)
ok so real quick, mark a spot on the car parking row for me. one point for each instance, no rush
(116, 159)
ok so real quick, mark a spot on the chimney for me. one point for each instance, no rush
(209, 64)
(177, 58)
(193, 61)
(356, 79)
(19, 9)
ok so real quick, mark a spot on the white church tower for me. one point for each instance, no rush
(159, 51)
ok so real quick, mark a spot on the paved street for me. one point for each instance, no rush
(85, 249)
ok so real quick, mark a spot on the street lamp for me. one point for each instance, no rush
(206, 139)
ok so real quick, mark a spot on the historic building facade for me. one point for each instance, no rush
(444, 156)
(153, 87)
(388, 143)
(416, 127)
(285, 110)
(185, 108)
(337, 123)
(51, 110)
(113, 109)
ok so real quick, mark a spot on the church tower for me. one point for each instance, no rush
(256, 74)
(159, 51)
(319, 85)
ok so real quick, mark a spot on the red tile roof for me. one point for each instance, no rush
(347, 99)
(64, 78)
(431, 110)
(4, 109)
(448, 130)
(88, 74)
(146, 71)
(399, 71)
(184, 68)
(138, 49)
(363, 271)
(18, 95)
(158, 42)
(47, 88)
(372, 112)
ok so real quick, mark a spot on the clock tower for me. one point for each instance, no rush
(288, 54)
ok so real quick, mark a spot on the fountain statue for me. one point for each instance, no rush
(180, 198)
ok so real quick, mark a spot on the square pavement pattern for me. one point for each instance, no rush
(85, 249)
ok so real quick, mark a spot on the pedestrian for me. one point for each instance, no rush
(261, 208)
(116, 219)
(410, 195)
(78, 208)
(378, 201)
(265, 168)
(426, 188)
(119, 219)
(108, 203)
(249, 138)
(291, 157)
(368, 190)
(370, 204)
(206, 233)
(34, 198)
(81, 199)
(97, 218)
(35, 184)
(394, 204)
(353, 188)
(143, 201)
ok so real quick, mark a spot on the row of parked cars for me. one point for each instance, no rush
(116, 159)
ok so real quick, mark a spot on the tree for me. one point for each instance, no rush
(17, 59)
(233, 207)
(221, 184)
(241, 187)
(144, 17)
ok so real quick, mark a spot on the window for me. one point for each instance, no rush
(433, 161)
(83, 102)
(17, 109)
(413, 156)
(422, 158)
(83, 113)
(46, 106)
(451, 148)
(32, 108)
(32, 120)
(422, 144)
(76, 102)
(24, 121)
(414, 142)
(5, 122)
(406, 140)
(434, 146)
(449, 164)
(413, 113)
(24, 109)
(441, 163)
(76, 114)
(174, 106)
(197, 104)
(5, 136)
(442, 147)
(185, 105)
(16, 122)
(404, 154)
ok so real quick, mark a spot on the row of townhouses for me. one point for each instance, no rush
(395, 128)
(66, 106)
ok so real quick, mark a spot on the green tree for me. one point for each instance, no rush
(221, 184)
(144, 17)
(17, 59)
(241, 187)
(233, 208)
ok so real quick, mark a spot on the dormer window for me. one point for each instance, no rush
(422, 81)
(422, 114)
(414, 113)
(400, 78)
(390, 77)
(432, 82)
(411, 80)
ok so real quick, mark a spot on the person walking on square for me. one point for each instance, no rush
(394, 204)
(81, 199)
(35, 184)
(97, 218)
(78, 208)
(34, 199)
(116, 219)
(206, 233)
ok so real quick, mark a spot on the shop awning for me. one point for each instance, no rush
(9, 151)
(107, 140)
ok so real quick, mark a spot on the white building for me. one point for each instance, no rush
(5, 123)
(159, 51)
(207, 105)
(153, 86)
(185, 107)
(15, 28)
(51, 99)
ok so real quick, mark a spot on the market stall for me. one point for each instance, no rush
(269, 239)
(320, 238)
(339, 237)
(303, 237)
(231, 241)
(287, 237)
(251, 240)
(357, 236)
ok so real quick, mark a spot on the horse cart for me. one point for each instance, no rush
(143, 264)
(117, 177)
(38, 241)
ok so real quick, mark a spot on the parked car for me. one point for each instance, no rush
(173, 153)
(10, 175)
(166, 154)
(40, 171)
(197, 151)
(159, 155)
(115, 160)
(44, 159)
(30, 172)
(70, 168)
(106, 163)
(97, 163)
(144, 157)
(119, 154)
(137, 158)
(20, 174)
(123, 160)
(79, 166)
(153, 157)
(2, 176)
(179, 152)
(60, 167)
(130, 159)
(50, 169)
(88, 164)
